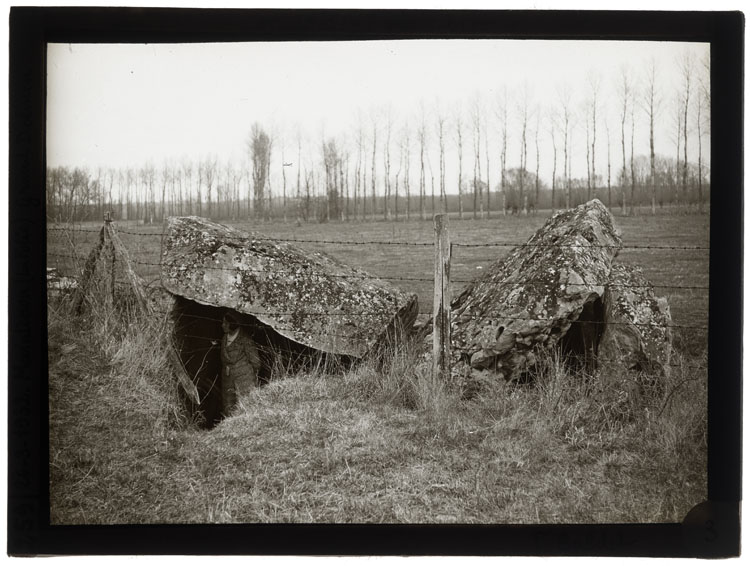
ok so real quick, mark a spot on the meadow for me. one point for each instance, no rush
(379, 445)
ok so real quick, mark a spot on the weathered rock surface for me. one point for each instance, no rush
(305, 296)
(637, 333)
(530, 298)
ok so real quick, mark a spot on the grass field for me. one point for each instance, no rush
(376, 446)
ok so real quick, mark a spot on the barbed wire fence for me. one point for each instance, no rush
(149, 261)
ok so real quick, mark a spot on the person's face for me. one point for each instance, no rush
(225, 326)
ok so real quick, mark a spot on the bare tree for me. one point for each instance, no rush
(359, 136)
(432, 184)
(331, 160)
(407, 163)
(584, 113)
(308, 182)
(624, 89)
(594, 80)
(165, 179)
(344, 184)
(699, 106)
(476, 120)
(536, 157)
(523, 111)
(308, 196)
(650, 103)
(571, 153)
(222, 192)
(111, 175)
(686, 65)
(134, 197)
(704, 101)
(148, 174)
(459, 147)
(565, 114)
(140, 194)
(299, 174)
(552, 130)
(401, 159)
(121, 188)
(320, 212)
(364, 185)
(199, 194)
(632, 156)
(209, 174)
(97, 191)
(268, 191)
(487, 159)
(609, 164)
(53, 189)
(374, 149)
(387, 163)
(422, 137)
(76, 182)
(502, 113)
(441, 144)
(233, 182)
(173, 184)
(260, 155)
(284, 165)
(187, 174)
(678, 144)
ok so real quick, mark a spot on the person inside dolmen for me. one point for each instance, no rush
(240, 363)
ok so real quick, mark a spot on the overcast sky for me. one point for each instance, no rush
(125, 105)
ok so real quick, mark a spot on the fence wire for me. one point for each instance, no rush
(491, 316)
(416, 244)
(401, 278)
(364, 276)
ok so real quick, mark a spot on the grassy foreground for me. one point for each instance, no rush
(361, 446)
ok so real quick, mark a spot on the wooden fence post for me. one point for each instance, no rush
(441, 314)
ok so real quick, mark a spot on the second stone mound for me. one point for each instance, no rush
(546, 292)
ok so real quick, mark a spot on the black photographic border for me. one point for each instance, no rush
(711, 529)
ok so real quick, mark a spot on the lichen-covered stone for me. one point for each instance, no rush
(305, 296)
(637, 333)
(530, 298)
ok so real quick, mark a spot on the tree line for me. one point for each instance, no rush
(482, 158)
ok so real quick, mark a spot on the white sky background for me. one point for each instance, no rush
(126, 105)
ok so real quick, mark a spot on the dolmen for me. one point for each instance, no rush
(305, 296)
(562, 290)
(301, 308)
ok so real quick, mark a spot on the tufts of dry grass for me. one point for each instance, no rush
(376, 443)
(402, 375)
(113, 404)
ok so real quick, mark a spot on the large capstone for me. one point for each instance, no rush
(637, 333)
(545, 292)
(306, 297)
